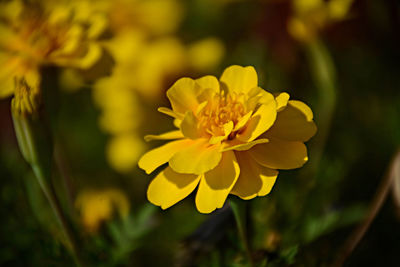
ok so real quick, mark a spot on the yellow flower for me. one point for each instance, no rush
(311, 16)
(232, 138)
(97, 206)
(43, 33)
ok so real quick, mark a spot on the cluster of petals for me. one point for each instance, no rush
(232, 137)
(41, 33)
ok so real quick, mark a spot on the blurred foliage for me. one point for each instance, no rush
(310, 212)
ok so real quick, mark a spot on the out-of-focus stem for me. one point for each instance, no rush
(35, 143)
(239, 212)
(66, 179)
(376, 204)
(324, 76)
(49, 192)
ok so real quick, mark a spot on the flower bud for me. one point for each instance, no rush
(32, 133)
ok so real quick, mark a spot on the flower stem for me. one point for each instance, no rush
(323, 74)
(49, 192)
(239, 212)
(375, 206)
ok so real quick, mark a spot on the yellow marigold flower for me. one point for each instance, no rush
(232, 138)
(98, 206)
(42, 33)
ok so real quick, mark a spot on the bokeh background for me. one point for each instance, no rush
(340, 57)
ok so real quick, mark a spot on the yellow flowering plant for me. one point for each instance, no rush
(38, 33)
(232, 137)
(97, 206)
(311, 16)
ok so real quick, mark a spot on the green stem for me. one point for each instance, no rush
(49, 192)
(239, 211)
(324, 76)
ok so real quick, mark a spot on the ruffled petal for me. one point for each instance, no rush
(254, 179)
(183, 95)
(281, 101)
(189, 126)
(278, 154)
(294, 123)
(216, 184)
(196, 158)
(170, 113)
(169, 187)
(208, 82)
(239, 79)
(239, 146)
(160, 155)
(165, 136)
(260, 122)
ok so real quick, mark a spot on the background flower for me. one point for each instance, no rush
(37, 34)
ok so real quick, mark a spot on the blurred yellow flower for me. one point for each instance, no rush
(42, 33)
(310, 16)
(232, 137)
(155, 17)
(98, 206)
(205, 54)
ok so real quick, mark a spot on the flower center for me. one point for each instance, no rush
(220, 110)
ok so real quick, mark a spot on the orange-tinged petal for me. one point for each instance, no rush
(196, 158)
(239, 79)
(294, 123)
(216, 184)
(254, 179)
(260, 122)
(165, 136)
(183, 95)
(278, 154)
(281, 101)
(160, 155)
(169, 187)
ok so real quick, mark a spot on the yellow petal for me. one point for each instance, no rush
(165, 136)
(239, 79)
(189, 126)
(294, 123)
(183, 95)
(208, 82)
(169, 187)
(7, 87)
(254, 179)
(196, 158)
(216, 184)
(170, 113)
(281, 101)
(303, 107)
(243, 121)
(158, 156)
(239, 146)
(278, 154)
(228, 127)
(260, 122)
